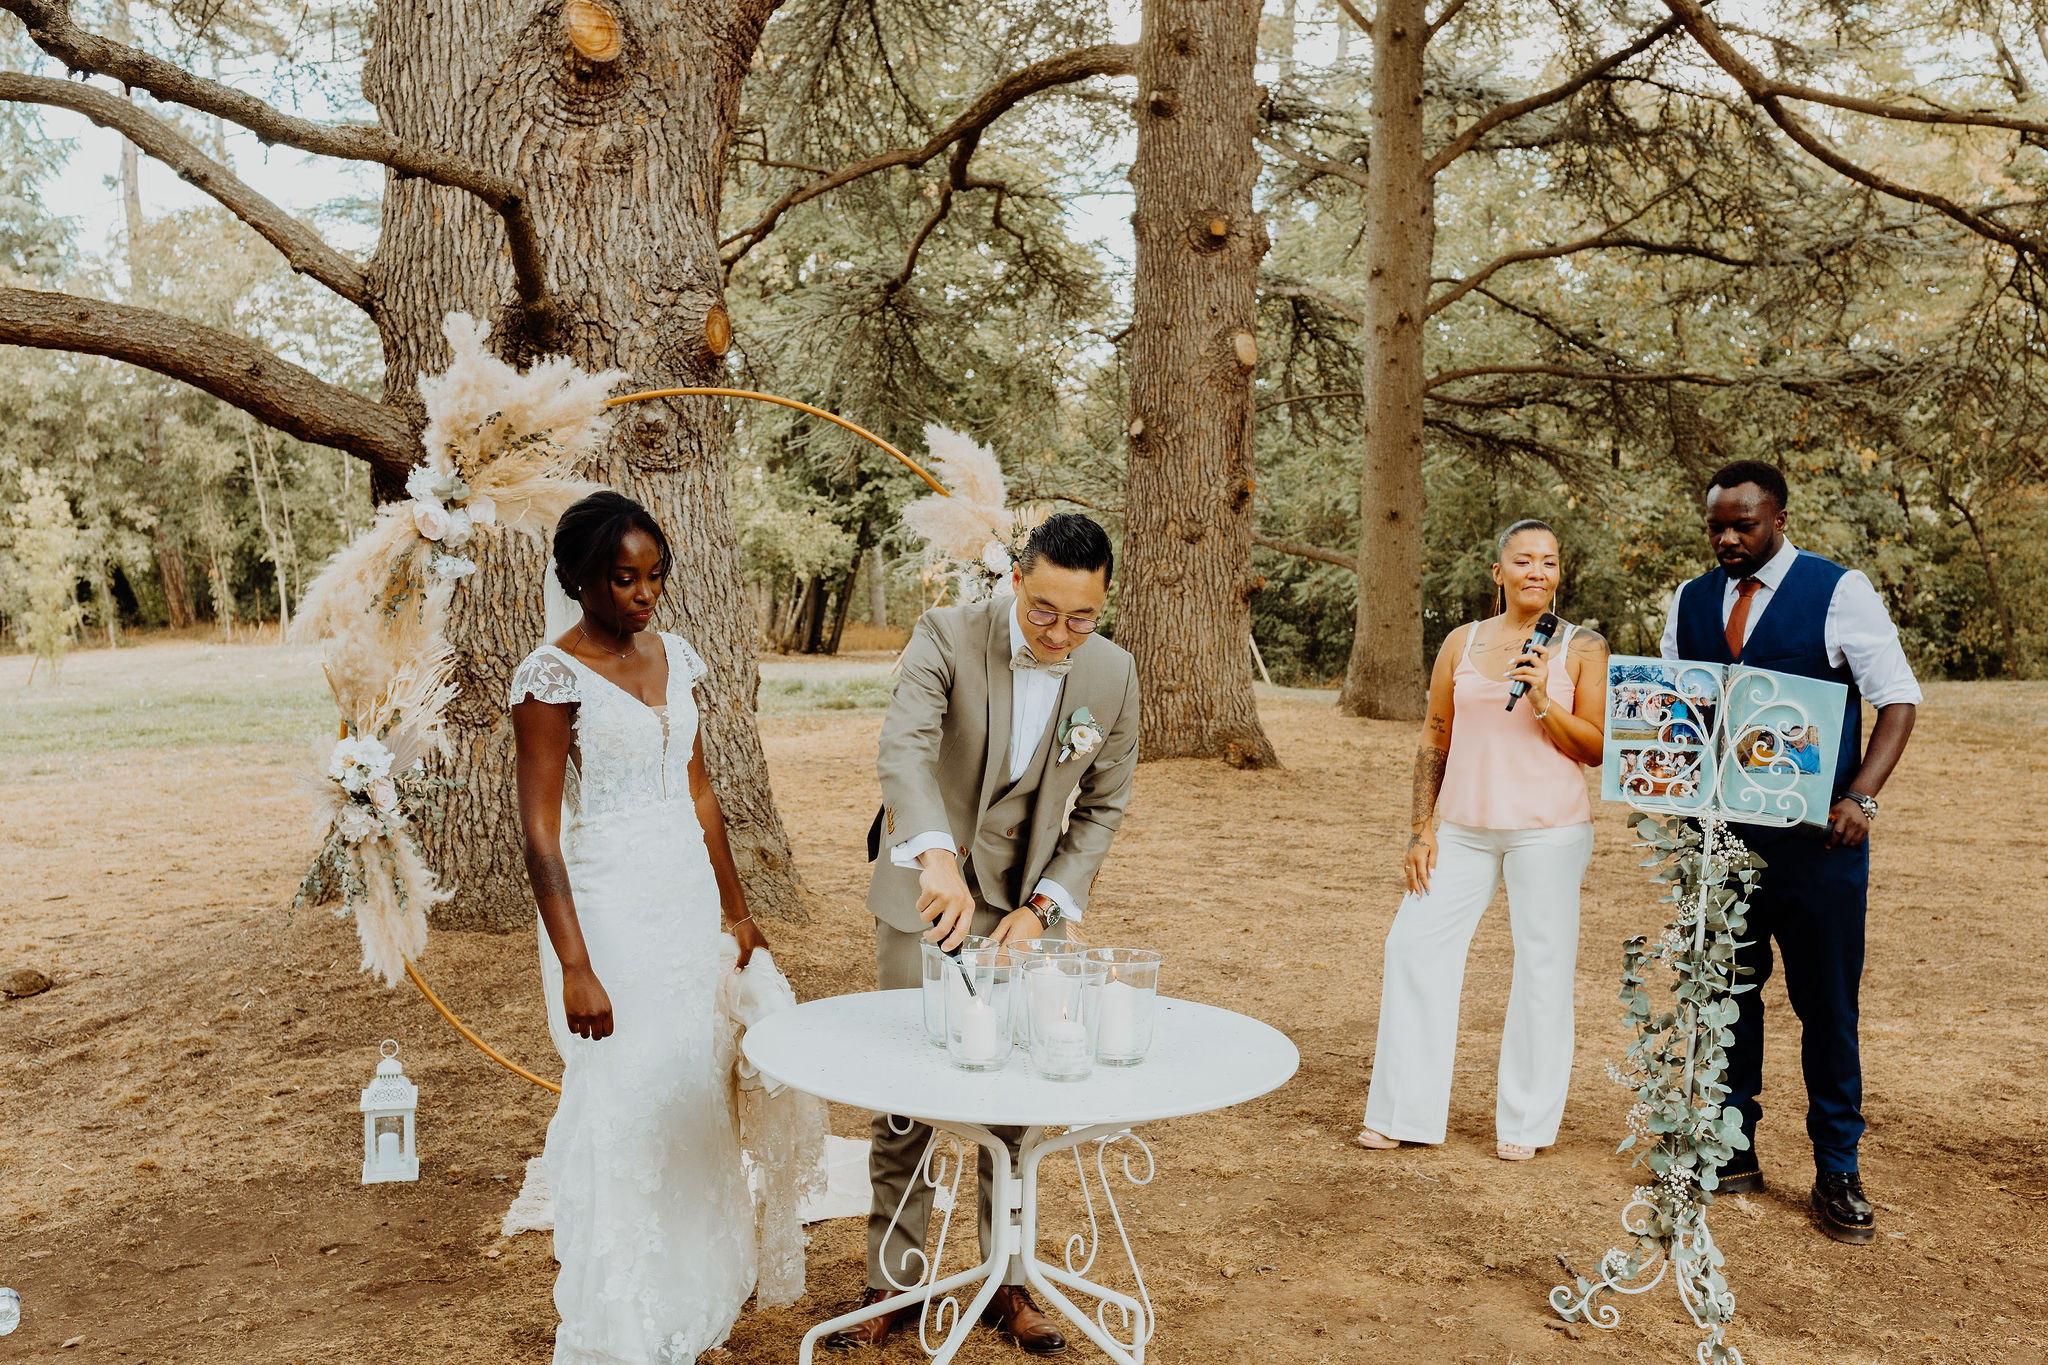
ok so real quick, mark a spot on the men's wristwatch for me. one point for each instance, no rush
(1046, 908)
(1868, 803)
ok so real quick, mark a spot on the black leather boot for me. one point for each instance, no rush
(1845, 1212)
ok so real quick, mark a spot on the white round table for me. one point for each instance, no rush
(870, 1051)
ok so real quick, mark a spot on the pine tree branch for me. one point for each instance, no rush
(301, 247)
(1285, 289)
(1288, 547)
(1450, 12)
(1759, 86)
(235, 370)
(1310, 397)
(50, 25)
(1357, 17)
(1769, 95)
(1598, 376)
(1108, 59)
(1607, 236)
(1509, 112)
(1309, 160)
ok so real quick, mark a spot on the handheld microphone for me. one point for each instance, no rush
(1546, 626)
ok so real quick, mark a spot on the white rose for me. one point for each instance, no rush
(1084, 739)
(358, 762)
(459, 527)
(482, 509)
(429, 519)
(995, 558)
(383, 794)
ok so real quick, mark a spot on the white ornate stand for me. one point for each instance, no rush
(870, 1051)
(1695, 776)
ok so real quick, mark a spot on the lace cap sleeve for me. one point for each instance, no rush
(692, 663)
(545, 676)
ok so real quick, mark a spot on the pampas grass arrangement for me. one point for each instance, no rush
(974, 533)
(501, 454)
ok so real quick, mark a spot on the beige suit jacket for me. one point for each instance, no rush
(945, 762)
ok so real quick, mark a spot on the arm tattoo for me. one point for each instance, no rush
(550, 877)
(1429, 780)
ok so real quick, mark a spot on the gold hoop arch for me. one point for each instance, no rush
(832, 417)
(642, 396)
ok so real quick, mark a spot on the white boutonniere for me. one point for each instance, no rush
(1080, 736)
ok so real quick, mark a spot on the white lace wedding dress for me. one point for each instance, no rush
(654, 1227)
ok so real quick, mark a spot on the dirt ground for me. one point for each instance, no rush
(179, 1143)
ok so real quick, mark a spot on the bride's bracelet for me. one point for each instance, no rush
(741, 920)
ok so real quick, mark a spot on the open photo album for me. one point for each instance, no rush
(1746, 744)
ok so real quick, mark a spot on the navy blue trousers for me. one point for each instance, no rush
(1810, 904)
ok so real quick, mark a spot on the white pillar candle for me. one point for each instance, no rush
(1117, 1035)
(387, 1146)
(1066, 1047)
(956, 987)
(978, 1040)
(1047, 993)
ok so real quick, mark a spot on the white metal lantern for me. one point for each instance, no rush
(387, 1106)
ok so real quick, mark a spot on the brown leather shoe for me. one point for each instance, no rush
(874, 1331)
(1012, 1313)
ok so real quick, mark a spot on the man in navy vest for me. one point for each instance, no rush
(1771, 605)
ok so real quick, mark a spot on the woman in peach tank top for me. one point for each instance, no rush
(1508, 788)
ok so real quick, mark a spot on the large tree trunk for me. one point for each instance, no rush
(623, 155)
(1387, 674)
(1185, 606)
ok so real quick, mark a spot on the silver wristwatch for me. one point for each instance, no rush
(1868, 803)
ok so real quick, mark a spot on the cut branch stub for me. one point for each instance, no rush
(594, 31)
(1246, 350)
(1162, 104)
(717, 330)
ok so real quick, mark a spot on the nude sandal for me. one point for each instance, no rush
(1513, 1151)
(1378, 1142)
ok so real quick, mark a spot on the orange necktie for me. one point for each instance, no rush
(1738, 615)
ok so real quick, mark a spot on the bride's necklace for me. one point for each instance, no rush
(585, 635)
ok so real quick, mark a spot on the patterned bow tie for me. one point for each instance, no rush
(1024, 659)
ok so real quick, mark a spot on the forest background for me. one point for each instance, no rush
(1645, 285)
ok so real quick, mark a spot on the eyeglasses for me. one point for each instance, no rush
(1080, 625)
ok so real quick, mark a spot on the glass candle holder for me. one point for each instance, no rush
(1026, 953)
(1129, 996)
(978, 1013)
(1062, 992)
(941, 976)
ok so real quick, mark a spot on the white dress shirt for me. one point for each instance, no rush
(1034, 695)
(1859, 631)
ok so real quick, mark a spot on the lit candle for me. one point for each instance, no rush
(978, 1038)
(1117, 1036)
(387, 1146)
(1066, 1048)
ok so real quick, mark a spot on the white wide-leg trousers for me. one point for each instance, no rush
(1410, 1096)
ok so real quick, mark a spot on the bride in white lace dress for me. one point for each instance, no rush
(626, 850)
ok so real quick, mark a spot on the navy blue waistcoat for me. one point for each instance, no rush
(1790, 637)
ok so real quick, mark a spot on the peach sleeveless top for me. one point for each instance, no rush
(1503, 772)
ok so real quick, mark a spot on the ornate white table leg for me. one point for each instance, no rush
(940, 1310)
(1124, 1342)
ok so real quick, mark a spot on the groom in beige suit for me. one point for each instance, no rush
(999, 800)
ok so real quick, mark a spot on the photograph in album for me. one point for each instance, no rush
(1712, 739)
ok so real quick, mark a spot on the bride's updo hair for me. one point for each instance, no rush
(588, 535)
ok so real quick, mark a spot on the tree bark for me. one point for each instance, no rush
(1185, 606)
(1386, 676)
(622, 161)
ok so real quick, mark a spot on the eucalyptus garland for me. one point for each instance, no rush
(1680, 1126)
